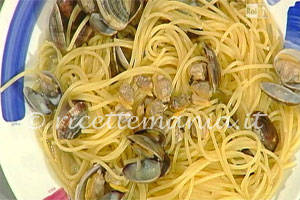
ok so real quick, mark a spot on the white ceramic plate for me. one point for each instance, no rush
(23, 28)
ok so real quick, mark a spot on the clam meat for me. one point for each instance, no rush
(92, 186)
(162, 88)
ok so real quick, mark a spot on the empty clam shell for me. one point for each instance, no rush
(148, 171)
(37, 101)
(213, 68)
(56, 28)
(147, 146)
(265, 130)
(79, 193)
(50, 87)
(88, 6)
(70, 125)
(280, 93)
(287, 66)
(116, 13)
(97, 23)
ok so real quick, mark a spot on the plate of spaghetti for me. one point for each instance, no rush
(151, 99)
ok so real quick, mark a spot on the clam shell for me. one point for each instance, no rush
(147, 146)
(50, 87)
(149, 171)
(79, 195)
(116, 13)
(114, 195)
(287, 66)
(213, 68)
(56, 28)
(97, 23)
(154, 134)
(267, 133)
(165, 165)
(37, 101)
(280, 93)
(68, 126)
(88, 6)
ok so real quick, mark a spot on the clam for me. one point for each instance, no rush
(213, 68)
(165, 165)
(66, 7)
(162, 88)
(146, 146)
(56, 28)
(69, 127)
(114, 195)
(280, 93)
(144, 82)
(154, 134)
(123, 56)
(201, 92)
(97, 24)
(37, 101)
(88, 6)
(156, 108)
(85, 34)
(50, 87)
(287, 66)
(47, 97)
(147, 171)
(92, 186)
(126, 113)
(180, 102)
(80, 189)
(117, 14)
(198, 71)
(265, 130)
(126, 93)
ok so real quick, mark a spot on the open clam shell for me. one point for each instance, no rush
(50, 87)
(116, 13)
(213, 68)
(70, 125)
(37, 101)
(145, 145)
(56, 28)
(88, 6)
(80, 189)
(280, 93)
(92, 185)
(147, 171)
(97, 23)
(267, 132)
(165, 165)
(287, 66)
(154, 134)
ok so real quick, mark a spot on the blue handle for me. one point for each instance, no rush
(15, 51)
